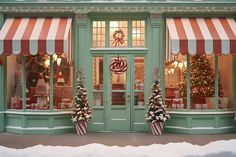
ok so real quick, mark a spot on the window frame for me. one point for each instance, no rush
(107, 31)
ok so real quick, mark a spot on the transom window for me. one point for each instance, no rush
(118, 33)
(99, 34)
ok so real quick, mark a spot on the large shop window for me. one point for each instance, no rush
(39, 63)
(37, 82)
(119, 33)
(198, 69)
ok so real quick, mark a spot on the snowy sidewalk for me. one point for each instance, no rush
(110, 139)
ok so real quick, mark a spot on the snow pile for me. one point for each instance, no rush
(213, 149)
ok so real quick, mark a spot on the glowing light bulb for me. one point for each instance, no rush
(59, 61)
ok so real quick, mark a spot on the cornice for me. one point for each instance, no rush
(118, 9)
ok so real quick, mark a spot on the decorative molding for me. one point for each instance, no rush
(82, 16)
(151, 8)
(155, 16)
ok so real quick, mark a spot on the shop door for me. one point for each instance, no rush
(118, 96)
(118, 91)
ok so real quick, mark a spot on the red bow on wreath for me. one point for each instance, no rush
(118, 37)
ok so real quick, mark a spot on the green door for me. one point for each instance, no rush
(118, 92)
(118, 107)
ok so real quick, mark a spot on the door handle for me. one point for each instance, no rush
(128, 98)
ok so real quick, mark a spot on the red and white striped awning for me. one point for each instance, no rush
(202, 35)
(31, 36)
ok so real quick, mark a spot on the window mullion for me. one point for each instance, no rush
(216, 103)
(107, 30)
(24, 83)
(188, 82)
(129, 33)
(51, 84)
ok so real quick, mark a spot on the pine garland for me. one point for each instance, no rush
(156, 111)
(81, 111)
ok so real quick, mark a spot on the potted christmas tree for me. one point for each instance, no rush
(82, 113)
(156, 113)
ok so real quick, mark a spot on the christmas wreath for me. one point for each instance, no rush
(118, 37)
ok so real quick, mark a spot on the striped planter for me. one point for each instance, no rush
(81, 128)
(157, 128)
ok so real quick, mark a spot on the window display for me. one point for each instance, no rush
(175, 83)
(14, 82)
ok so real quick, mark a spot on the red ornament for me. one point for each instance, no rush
(118, 37)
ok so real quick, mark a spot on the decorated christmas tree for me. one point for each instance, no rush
(202, 78)
(156, 111)
(82, 113)
(35, 66)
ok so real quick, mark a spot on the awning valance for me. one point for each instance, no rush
(202, 35)
(31, 36)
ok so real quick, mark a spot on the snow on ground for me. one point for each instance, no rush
(213, 149)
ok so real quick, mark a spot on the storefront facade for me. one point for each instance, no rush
(43, 44)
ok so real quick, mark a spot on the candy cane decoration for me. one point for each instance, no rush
(118, 66)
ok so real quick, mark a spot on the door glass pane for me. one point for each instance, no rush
(139, 78)
(139, 73)
(118, 67)
(98, 81)
(139, 98)
(118, 98)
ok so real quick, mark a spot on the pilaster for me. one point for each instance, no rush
(2, 84)
(157, 39)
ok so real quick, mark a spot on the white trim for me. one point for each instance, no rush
(118, 49)
(38, 113)
(39, 128)
(201, 113)
(139, 123)
(98, 123)
(119, 119)
(199, 128)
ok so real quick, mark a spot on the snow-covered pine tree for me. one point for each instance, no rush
(156, 111)
(82, 111)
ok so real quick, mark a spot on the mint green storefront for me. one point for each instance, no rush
(118, 102)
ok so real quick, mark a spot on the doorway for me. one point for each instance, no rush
(119, 92)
